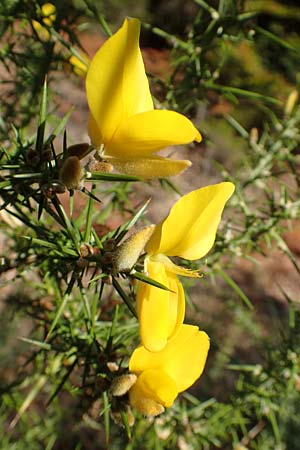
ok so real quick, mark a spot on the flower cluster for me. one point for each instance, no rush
(126, 132)
(172, 355)
(47, 15)
(123, 124)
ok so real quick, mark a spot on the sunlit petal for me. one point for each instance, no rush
(117, 86)
(149, 168)
(148, 132)
(190, 228)
(183, 358)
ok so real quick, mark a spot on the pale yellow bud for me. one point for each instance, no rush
(80, 65)
(127, 253)
(122, 384)
(71, 173)
(48, 13)
(112, 366)
(291, 101)
(254, 135)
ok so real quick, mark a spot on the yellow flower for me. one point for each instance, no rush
(123, 121)
(188, 231)
(163, 375)
(48, 18)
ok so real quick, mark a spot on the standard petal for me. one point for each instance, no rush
(190, 228)
(183, 358)
(116, 83)
(149, 167)
(148, 132)
(152, 386)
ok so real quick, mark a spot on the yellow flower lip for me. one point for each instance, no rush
(122, 115)
(163, 375)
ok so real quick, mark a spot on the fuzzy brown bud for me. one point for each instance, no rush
(71, 173)
(79, 150)
(32, 157)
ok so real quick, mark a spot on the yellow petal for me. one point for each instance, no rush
(190, 228)
(149, 167)
(148, 132)
(153, 385)
(153, 309)
(116, 83)
(183, 358)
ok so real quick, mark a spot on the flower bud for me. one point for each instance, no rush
(127, 253)
(112, 366)
(32, 157)
(86, 250)
(71, 173)
(291, 101)
(122, 384)
(79, 150)
(80, 65)
(48, 13)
